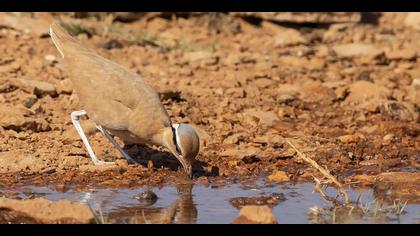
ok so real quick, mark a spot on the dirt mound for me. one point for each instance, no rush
(43, 211)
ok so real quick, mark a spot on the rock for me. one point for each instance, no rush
(69, 136)
(65, 87)
(12, 118)
(36, 87)
(289, 37)
(416, 84)
(314, 91)
(299, 63)
(147, 197)
(309, 90)
(413, 20)
(99, 168)
(271, 201)
(288, 90)
(334, 32)
(304, 17)
(399, 110)
(353, 50)
(50, 58)
(273, 139)
(350, 138)
(404, 54)
(366, 180)
(341, 93)
(278, 176)
(235, 138)
(267, 118)
(17, 119)
(43, 211)
(388, 138)
(239, 153)
(18, 161)
(197, 56)
(122, 164)
(255, 215)
(399, 185)
(262, 83)
(36, 26)
(28, 100)
(12, 67)
(414, 92)
(362, 91)
(38, 125)
(6, 85)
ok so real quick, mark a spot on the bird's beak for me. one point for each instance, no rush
(187, 167)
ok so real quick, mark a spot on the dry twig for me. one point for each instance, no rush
(324, 172)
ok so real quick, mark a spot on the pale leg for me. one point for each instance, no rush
(75, 119)
(108, 136)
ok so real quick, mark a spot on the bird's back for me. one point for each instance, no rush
(112, 95)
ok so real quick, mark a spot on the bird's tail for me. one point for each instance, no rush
(61, 37)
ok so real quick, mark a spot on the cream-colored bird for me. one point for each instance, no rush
(121, 103)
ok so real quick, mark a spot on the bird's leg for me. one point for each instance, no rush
(75, 120)
(112, 140)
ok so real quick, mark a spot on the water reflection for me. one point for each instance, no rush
(181, 211)
(181, 203)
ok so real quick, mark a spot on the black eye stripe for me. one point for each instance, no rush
(174, 139)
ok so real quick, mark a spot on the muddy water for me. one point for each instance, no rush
(213, 204)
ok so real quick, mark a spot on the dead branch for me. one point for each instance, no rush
(323, 171)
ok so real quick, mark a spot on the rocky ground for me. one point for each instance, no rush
(343, 88)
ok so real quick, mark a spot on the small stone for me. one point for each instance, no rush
(415, 83)
(267, 118)
(50, 58)
(98, 168)
(11, 118)
(289, 37)
(351, 138)
(186, 72)
(278, 176)
(341, 93)
(364, 179)
(122, 163)
(255, 215)
(37, 87)
(147, 197)
(150, 165)
(361, 91)
(388, 138)
(65, 87)
(413, 20)
(352, 50)
(404, 54)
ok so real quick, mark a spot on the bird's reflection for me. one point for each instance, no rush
(181, 211)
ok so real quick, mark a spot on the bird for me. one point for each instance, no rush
(121, 103)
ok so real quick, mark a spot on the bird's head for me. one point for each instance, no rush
(184, 144)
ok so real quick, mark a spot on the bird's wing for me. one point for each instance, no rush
(107, 91)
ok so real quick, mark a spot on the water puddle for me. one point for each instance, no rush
(216, 204)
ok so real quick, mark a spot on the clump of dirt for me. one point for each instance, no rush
(43, 211)
(346, 92)
(255, 215)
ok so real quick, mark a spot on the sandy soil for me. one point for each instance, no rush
(345, 92)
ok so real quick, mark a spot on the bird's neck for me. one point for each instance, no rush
(166, 139)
